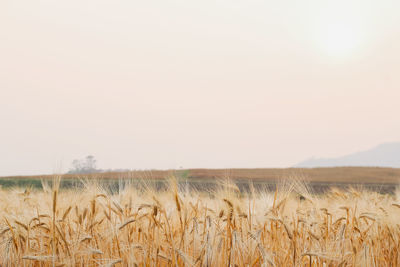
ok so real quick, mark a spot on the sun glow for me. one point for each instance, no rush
(339, 29)
(340, 40)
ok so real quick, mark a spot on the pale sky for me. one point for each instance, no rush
(161, 84)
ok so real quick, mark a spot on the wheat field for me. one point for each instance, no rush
(179, 226)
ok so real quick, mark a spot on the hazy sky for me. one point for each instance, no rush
(205, 83)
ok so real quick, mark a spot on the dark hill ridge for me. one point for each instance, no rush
(384, 155)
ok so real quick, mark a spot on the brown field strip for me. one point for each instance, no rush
(319, 175)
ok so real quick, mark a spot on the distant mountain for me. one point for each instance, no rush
(384, 155)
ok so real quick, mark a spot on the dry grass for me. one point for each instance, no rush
(176, 227)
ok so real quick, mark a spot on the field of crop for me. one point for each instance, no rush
(180, 226)
(327, 175)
